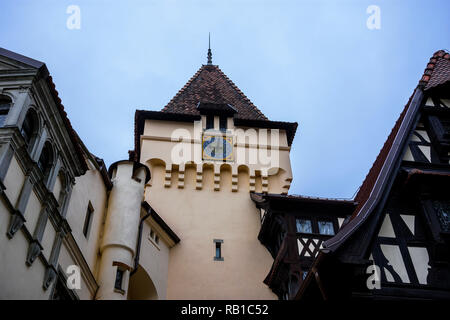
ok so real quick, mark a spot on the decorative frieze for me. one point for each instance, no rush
(216, 178)
(168, 176)
(234, 179)
(181, 176)
(199, 177)
(255, 180)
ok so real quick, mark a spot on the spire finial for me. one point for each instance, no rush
(209, 49)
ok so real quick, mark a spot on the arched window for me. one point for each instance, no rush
(60, 188)
(45, 161)
(29, 126)
(5, 105)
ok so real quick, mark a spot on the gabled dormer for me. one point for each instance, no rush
(216, 116)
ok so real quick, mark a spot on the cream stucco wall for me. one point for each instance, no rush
(14, 180)
(199, 217)
(202, 201)
(17, 280)
(154, 258)
(88, 188)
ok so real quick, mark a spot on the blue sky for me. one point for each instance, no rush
(314, 62)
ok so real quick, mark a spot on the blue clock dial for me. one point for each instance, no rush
(217, 148)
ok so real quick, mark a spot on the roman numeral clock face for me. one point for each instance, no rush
(216, 147)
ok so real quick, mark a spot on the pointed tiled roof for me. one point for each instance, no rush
(210, 85)
(436, 74)
(437, 71)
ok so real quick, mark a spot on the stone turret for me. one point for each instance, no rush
(118, 245)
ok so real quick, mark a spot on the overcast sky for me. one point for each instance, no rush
(314, 62)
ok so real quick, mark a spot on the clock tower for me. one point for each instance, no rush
(207, 150)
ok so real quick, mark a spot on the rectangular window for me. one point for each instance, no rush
(88, 220)
(4, 109)
(304, 226)
(442, 209)
(218, 250)
(304, 273)
(209, 122)
(224, 148)
(223, 123)
(446, 126)
(326, 227)
(119, 278)
(3, 115)
(218, 256)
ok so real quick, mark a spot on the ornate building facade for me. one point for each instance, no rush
(200, 209)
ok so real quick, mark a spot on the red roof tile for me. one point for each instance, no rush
(210, 85)
(437, 71)
(369, 182)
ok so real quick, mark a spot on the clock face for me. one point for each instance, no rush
(217, 148)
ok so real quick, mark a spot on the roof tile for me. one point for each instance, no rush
(210, 84)
(436, 73)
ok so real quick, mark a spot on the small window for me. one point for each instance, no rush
(218, 250)
(209, 122)
(218, 244)
(326, 228)
(5, 105)
(446, 127)
(88, 220)
(304, 273)
(223, 123)
(152, 233)
(157, 239)
(29, 126)
(304, 226)
(45, 161)
(119, 279)
(442, 209)
(63, 192)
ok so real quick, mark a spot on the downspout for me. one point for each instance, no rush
(139, 240)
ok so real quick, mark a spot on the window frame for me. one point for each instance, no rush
(326, 221)
(118, 282)
(433, 218)
(209, 122)
(46, 166)
(304, 219)
(5, 106)
(315, 224)
(32, 120)
(218, 250)
(223, 123)
(88, 220)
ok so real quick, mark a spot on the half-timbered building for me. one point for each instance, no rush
(392, 241)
